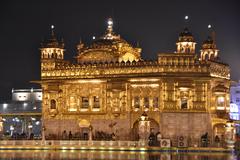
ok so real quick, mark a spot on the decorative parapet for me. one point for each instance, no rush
(102, 70)
(219, 70)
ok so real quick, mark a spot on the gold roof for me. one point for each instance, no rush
(52, 42)
(109, 47)
(185, 36)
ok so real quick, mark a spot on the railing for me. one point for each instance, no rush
(72, 143)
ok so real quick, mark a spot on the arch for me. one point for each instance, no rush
(154, 128)
(219, 129)
(83, 123)
(53, 104)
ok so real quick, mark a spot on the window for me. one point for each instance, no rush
(237, 99)
(72, 104)
(146, 102)
(136, 102)
(155, 102)
(53, 104)
(184, 103)
(85, 102)
(96, 102)
(220, 101)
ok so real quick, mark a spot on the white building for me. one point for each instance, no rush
(235, 101)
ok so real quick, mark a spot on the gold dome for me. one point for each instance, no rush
(108, 48)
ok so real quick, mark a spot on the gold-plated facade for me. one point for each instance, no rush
(110, 87)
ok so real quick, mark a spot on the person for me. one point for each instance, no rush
(64, 135)
(70, 135)
(204, 139)
(217, 140)
(113, 136)
(151, 139)
(159, 137)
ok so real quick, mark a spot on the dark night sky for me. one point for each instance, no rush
(154, 24)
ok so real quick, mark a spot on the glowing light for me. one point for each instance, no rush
(93, 37)
(25, 104)
(72, 109)
(30, 126)
(17, 120)
(5, 105)
(145, 85)
(144, 80)
(220, 108)
(186, 17)
(110, 22)
(233, 108)
(33, 119)
(183, 88)
(209, 26)
(37, 123)
(91, 81)
(52, 26)
(11, 128)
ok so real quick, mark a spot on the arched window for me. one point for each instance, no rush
(146, 102)
(53, 104)
(136, 102)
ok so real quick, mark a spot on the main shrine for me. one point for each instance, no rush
(109, 87)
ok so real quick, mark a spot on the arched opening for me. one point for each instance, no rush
(154, 128)
(84, 129)
(53, 104)
(219, 130)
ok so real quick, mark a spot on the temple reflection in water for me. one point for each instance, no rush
(110, 86)
(86, 155)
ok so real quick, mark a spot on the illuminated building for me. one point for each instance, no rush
(235, 101)
(22, 114)
(111, 85)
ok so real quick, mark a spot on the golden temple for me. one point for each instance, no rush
(110, 86)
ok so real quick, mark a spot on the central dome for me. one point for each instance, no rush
(108, 48)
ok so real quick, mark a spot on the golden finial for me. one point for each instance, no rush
(52, 30)
(110, 25)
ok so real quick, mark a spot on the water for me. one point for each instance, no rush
(104, 155)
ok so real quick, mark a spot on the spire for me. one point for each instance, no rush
(80, 46)
(209, 49)
(185, 42)
(110, 25)
(109, 32)
(52, 41)
(52, 31)
(212, 33)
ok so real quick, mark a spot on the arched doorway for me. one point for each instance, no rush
(154, 128)
(219, 130)
(84, 129)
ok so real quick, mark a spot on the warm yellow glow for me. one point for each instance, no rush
(91, 81)
(183, 88)
(84, 123)
(145, 85)
(95, 109)
(220, 108)
(144, 80)
(219, 76)
(128, 57)
(72, 109)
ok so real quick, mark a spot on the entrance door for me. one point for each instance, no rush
(154, 128)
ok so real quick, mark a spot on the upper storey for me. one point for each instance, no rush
(111, 56)
(52, 48)
(108, 48)
(185, 43)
